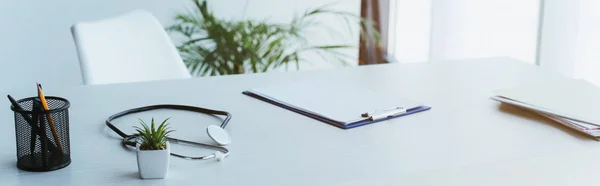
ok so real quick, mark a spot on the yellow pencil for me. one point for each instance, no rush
(50, 120)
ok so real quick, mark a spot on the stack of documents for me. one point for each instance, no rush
(339, 103)
(573, 103)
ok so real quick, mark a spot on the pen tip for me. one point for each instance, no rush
(11, 99)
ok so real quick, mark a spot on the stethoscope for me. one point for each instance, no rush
(216, 133)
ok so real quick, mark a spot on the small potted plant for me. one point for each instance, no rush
(153, 150)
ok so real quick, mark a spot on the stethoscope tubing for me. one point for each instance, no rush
(130, 140)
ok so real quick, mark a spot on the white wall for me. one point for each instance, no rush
(36, 43)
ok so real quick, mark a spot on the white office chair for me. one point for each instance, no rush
(128, 48)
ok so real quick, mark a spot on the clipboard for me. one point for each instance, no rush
(323, 94)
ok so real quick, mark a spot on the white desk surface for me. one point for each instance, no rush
(465, 139)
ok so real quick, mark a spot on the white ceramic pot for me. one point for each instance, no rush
(153, 164)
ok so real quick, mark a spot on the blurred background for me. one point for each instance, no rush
(561, 36)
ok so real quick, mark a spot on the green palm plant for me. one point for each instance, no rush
(152, 138)
(216, 46)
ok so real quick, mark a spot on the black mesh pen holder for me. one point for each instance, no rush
(42, 135)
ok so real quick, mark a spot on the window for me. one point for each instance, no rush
(433, 30)
(561, 36)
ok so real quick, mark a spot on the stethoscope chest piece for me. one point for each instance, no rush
(218, 134)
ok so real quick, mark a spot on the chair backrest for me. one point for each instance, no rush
(128, 48)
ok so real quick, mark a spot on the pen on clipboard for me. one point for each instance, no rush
(384, 113)
(49, 118)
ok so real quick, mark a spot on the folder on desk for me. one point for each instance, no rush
(572, 103)
(341, 104)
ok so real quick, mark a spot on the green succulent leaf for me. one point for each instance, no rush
(152, 137)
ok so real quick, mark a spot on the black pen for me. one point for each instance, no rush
(34, 129)
(32, 124)
(38, 117)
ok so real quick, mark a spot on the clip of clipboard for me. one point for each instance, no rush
(364, 119)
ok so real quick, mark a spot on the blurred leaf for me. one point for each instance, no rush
(217, 46)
